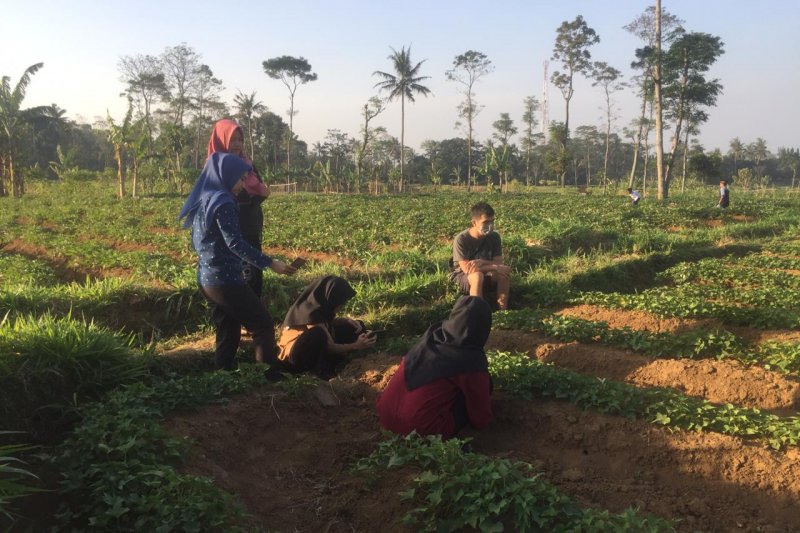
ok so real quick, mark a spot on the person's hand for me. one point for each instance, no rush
(282, 268)
(502, 270)
(472, 266)
(363, 341)
(356, 325)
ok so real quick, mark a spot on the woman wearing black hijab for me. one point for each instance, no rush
(443, 381)
(312, 338)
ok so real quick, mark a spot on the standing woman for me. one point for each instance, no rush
(227, 137)
(212, 211)
(312, 337)
(443, 382)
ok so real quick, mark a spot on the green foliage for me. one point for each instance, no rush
(50, 366)
(14, 478)
(117, 469)
(456, 491)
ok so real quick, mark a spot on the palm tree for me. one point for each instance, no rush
(247, 108)
(13, 122)
(405, 84)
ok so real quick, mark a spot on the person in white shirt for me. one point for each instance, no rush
(635, 196)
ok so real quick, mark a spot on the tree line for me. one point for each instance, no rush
(174, 99)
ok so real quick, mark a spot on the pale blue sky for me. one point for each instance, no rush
(81, 41)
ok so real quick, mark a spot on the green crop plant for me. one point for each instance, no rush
(454, 490)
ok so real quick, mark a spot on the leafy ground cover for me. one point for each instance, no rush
(94, 290)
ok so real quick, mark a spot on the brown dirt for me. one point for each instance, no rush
(637, 320)
(715, 381)
(708, 481)
(760, 336)
(287, 459)
(642, 320)
(164, 231)
(716, 223)
(128, 246)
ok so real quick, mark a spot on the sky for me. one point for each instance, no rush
(346, 41)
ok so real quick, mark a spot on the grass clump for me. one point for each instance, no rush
(49, 366)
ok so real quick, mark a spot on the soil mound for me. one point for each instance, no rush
(715, 381)
(638, 320)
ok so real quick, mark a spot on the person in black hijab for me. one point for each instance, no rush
(443, 382)
(312, 338)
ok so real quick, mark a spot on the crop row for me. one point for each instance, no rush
(695, 344)
(528, 378)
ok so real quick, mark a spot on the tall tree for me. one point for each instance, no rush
(686, 88)
(655, 72)
(205, 96)
(247, 107)
(14, 122)
(468, 68)
(644, 27)
(404, 83)
(144, 77)
(372, 108)
(571, 48)
(292, 72)
(182, 71)
(528, 142)
(504, 129)
(608, 78)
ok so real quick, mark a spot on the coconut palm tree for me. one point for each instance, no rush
(247, 107)
(405, 83)
(14, 121)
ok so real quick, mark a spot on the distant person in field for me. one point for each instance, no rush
(443, 383)
(634, 195)
(478, 257)
(724, 195)
(227, 137)
(312, 338)
(213, 213)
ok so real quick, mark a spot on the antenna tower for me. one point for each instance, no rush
(545, 106)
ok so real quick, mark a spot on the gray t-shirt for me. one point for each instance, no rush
(467, 248)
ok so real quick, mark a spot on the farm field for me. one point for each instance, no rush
(647, 373)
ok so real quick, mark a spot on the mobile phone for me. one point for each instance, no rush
(374, 333)
(299, 262)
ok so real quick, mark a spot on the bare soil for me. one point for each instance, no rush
(637, 320)
(642, 320)
(715, 381)
(288, 460)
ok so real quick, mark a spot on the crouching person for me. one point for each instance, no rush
(312, 338)
(443, 382)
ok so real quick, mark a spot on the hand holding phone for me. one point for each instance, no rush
(373, 334)
(299, 262)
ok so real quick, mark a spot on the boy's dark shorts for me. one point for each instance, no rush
(462, 281)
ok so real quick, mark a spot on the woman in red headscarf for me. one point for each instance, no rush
(227, 137)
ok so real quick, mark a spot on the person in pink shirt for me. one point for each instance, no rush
(443, 382)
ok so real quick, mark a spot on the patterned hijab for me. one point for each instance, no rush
(213, 188)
